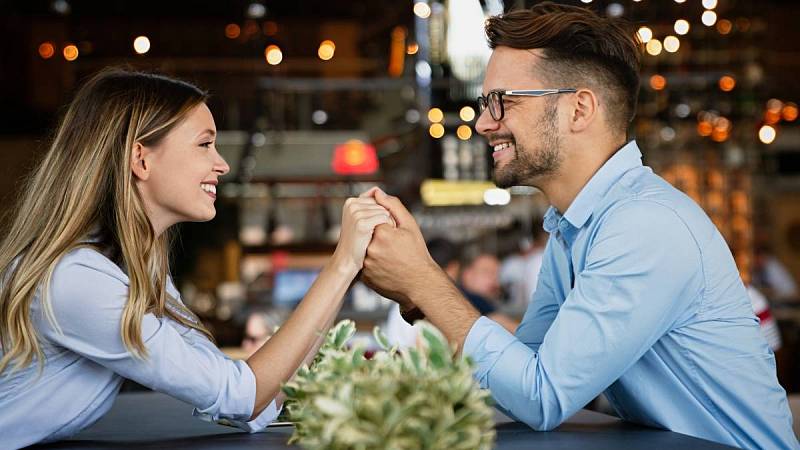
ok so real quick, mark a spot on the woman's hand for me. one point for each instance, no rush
(360, 216)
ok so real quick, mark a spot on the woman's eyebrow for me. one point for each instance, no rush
(207, 131)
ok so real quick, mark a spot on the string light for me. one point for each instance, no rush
(435, 115)
(654, 47)
(645, 34)
(141, 45)
(682, 26)
(422, 10)
(467, 113)
(70, 52)
(709, 18)
(273, 54)
(326, 50)
(672, 44)
(464, 132)
(436, 130)
(709, 4)
(767, 134)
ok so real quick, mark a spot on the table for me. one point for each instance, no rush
(148, 420)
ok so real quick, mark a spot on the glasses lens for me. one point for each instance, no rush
(495, 108)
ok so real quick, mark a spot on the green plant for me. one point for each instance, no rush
(418, 399)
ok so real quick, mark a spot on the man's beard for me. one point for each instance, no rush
(527, 167)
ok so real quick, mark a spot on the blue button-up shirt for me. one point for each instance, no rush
(638, 298)
(85, 361)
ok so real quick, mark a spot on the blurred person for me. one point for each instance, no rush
(767, 323)
(480, 283)
(259, 327)
(519, 273)
(638, 297)
(481, 275)
(479, 289)
(447, 255)
(87, 298)
(772, 277)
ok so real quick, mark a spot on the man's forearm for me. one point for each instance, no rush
(444, 305)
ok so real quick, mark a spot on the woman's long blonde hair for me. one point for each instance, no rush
(84, 185)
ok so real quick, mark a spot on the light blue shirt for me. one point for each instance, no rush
(638, 298)
(85, 361)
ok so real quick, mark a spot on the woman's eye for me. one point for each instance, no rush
(206, 144)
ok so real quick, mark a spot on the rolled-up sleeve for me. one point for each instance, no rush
(639, 279)
(88, 295)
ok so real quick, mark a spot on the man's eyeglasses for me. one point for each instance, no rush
(494, 99)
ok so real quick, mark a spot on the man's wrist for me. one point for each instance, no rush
(411, 314)
(417, 292)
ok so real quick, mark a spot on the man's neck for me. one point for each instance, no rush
(562, 188)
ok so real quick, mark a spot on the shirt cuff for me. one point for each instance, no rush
(243, 408)
(485, 344)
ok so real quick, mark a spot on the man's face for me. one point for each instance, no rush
(482, 276)
(526, 141)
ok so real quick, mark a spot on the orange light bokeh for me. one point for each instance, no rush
(70, 52)
(250, 28)
(47, 50)
(719, 135)
(724, 26)
(789, 112)
(326, 50)
(772, 117)
(270, 28)
(704, 128)
(727, 83)
(232, 31)
(658, 82)
(273, 55)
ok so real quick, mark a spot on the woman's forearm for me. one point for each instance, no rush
(310, 355)
(302, 334)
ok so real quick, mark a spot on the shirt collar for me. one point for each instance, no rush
(626, 158)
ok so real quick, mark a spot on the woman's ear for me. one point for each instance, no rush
(139, 161)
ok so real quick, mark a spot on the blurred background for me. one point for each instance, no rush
(318, 100)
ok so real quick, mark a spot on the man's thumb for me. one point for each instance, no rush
(402, 217)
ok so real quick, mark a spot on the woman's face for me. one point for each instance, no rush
(178, 177)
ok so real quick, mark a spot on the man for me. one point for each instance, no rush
(638, 296)
(480, 284)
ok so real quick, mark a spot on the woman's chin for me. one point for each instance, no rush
(202, 217)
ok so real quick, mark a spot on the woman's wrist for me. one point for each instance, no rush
(344, 265)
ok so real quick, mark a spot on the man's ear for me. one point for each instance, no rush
(586, 109)
(140, 164)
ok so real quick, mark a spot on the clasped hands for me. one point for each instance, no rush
(397, 264)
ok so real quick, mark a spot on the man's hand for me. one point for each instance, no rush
(398, 266)
(397, 259)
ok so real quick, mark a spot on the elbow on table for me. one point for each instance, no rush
(544, 425)
(541, 420)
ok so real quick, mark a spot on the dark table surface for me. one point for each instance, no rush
(151, 420)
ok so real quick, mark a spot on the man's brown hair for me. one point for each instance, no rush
(580, 48)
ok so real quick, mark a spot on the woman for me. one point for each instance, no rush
(86, 295)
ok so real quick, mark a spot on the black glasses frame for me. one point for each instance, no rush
(496, 98)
